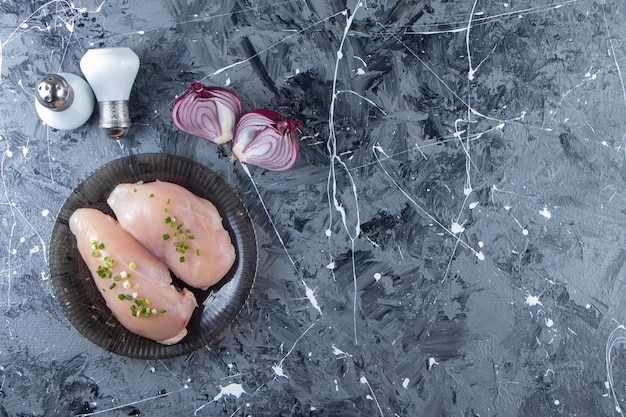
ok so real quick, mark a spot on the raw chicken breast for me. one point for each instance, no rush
(134, 283)
(181, 229)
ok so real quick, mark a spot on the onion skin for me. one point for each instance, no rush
(210, 113)
(266, 139)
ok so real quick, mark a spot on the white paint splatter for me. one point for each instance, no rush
(473, 205)
(310, 294)
(545, 212)
(45, 212)
(360, 71)
(278, 370)
(377, 276)
(457, 228)
(340, 353)
(615, 338)
(432, 362)
(405, 383)
(331, 265)
(525, 231)
(233, 390)
(377, 149)
(533, 300)
(549, 322)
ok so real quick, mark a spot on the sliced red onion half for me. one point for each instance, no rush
(210, 113)
(266, 139)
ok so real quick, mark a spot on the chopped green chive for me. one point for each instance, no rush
(103, 272)
(197, 252)
(108, 261)
(95, 254)
(129, 297)
(163, 310)
(132, 265)
(151, 195)
(181, 234)
(169, 200)
(112, 286)
(121, 297)
(134, 190)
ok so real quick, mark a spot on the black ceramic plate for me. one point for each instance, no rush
(81, 301)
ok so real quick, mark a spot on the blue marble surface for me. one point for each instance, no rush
(449, 243)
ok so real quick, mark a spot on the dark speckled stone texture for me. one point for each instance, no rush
(449, 243)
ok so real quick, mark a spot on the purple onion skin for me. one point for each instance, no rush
(210, 113)
(266, 139)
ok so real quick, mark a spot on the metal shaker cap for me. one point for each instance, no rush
(54, 93)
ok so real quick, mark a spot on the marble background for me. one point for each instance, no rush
(449, 243)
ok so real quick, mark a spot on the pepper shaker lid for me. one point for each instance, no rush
(54, 92)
